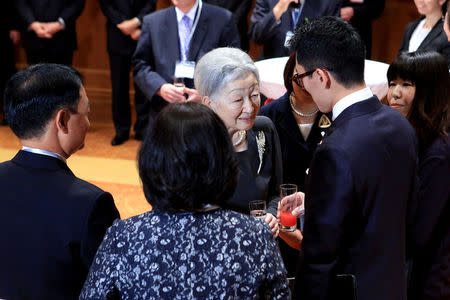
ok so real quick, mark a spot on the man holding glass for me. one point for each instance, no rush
(361, 177)
(171, 42)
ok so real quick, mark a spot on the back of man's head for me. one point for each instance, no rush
(332, 44)
(34, 95)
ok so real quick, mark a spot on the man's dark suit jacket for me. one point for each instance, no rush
(360, 182)
(240, 10)
(117, 11)
(364, 14)
(51, 224)
(158, 47)
(266, 31)
(436, 40)
(63, 41)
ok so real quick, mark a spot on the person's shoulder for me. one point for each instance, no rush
(273, 107)
(263, 123)
(440, 147)
(157, 15)
(215, 11)
(252, 226)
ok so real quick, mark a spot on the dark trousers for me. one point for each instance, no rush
(36, 57)
(120, 80)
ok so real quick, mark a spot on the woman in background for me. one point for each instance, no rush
(228, 82)
(427, 33)
(419, 88)
(188, 246)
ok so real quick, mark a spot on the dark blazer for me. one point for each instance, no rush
(431, 228)
(240, 10)
(295, 151)
(158, 47)
(117, 11)
(49, 11)
(358, 190)
(364, 14)
(51, 224)
(436, 40)
(264, 185)
(264, 30)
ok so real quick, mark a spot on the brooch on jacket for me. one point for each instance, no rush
(261, 142)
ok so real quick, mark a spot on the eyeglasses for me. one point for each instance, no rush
(298, 78)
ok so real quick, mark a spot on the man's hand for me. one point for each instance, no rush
(14, 36)
(295, 200)
(192, 95)
(40, 29)
(273, 224)
(280, 8)
(171, 93)
(136, 34)
(53, 27)
(128, 26)
(347, 13)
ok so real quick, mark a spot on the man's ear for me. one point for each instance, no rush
(324, 77)
(61, 119)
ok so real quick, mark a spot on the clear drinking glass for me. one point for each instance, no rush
(288, 222)
(257, 208)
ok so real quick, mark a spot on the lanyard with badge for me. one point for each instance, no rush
(296, 9)
(185, 68)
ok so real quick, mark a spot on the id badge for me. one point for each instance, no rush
(289, 35)
(184, 69)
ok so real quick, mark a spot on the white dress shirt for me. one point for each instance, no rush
(351, 99)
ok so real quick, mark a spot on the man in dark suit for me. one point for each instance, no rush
(184, 32)
(123, 29)
(361, 179)
(361, 14)
(49, 29)
(273, 21)
(240, 10)
(51, 222)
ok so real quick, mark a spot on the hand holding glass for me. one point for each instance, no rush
(288, 203)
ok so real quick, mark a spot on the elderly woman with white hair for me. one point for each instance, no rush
(228, 82)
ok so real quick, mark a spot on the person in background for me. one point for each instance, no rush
(171, 42)
(447, 22)
(51, 222)
(49, 34)
(300, 126)
(240, 10)
(419, 88)
(273, 21)
(188, 246)
(123, 29)
(228, 82)
(10, 37)
(361, 13)
(362, 177)
(426, 33)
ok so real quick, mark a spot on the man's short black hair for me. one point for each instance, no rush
(33, 95)
(332, 44)
(187, 159)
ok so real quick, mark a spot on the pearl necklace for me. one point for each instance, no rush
(242, 134)
(299, 112)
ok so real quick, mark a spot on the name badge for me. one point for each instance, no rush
(289, 35)
(184, 69)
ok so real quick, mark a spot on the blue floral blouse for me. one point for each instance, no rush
(219, 254)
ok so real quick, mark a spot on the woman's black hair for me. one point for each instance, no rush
(187, 159)
(428, 71)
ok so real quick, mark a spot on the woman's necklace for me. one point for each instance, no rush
(242, 134)
(299, 112)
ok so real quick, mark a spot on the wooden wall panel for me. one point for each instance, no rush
(91, 57)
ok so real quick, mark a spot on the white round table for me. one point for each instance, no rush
(272, 82)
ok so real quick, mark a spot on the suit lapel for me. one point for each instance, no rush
(199, 34)
(171, 36)
(435, 32)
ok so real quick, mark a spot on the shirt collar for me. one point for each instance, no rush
(44, 152)
(351, 99)
(190, 14)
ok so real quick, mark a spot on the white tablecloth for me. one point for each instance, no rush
(272, 82)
